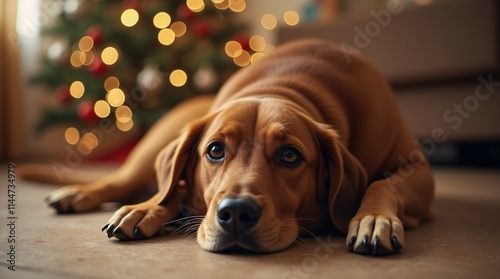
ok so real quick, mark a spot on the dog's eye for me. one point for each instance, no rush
(290, 157)
(216, 152)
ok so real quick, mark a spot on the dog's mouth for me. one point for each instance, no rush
(238, 225)
(228, 243)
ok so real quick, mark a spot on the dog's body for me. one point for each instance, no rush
(301, 140)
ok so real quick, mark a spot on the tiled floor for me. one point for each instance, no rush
(464, 242)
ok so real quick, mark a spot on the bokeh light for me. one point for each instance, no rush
(257, 43)
(232, 48)
(86, 43)
(269, 21)
(178, 78)
(111, 83)
(88, 142)
(130, 17)
(115, 97)
(109, 55)
(102, 109)
(256, 56)
(179, 28)
(237, 5)
(161, 20)
(89, 58)
(123, 114)
(77, 89)
(125, 126)
(222, 5)
(291, 18)
(195, 5)
(77, 58)
(72, 135)
(166, 36)
(243, 59)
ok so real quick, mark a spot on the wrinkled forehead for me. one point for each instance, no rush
(263, 120)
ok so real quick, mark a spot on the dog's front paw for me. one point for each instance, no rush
(134, 222)
(71, 199)
(375, 234)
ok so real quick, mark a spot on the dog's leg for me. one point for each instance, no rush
(402, 200)
(138, 169)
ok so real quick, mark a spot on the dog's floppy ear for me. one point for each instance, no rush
(345, 178)
(172, 161)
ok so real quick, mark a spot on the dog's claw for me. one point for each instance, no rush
(104, 227)
(352, 241)
(364, 248)
(118, 233)
(138, 234)
(57, 206)
(376, 244)
(110, 230)
(379, 249)
(395, 243)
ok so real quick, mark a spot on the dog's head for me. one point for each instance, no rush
(264, 172)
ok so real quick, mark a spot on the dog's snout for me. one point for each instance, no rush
(237, 215)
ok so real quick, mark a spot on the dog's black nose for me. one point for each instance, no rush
(237, 215)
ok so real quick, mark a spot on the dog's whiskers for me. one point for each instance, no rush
(184, 218)
(189, 224)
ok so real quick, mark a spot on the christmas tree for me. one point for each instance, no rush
(130, 61)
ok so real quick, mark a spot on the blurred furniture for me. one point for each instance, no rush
(442, 60)
(10, 83)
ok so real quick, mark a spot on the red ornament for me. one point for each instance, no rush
(132, 4)
(95, 32)
(202, 29)
(64, 94)
(97, 67)
(86, 112)
(185, 13)
(243, 40)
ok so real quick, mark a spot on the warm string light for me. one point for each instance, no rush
(178, 78)
(222, 5)
(242, 57)
(115, 97)
(195, 5)
(88, 142)
(72, 135)
(257, 43)
(129, 17)
(269, 21)
(102, 109)
(109, 55)
(166, 36)
(237, 6)
(179, 28)
(123, 114)
(161, 20)
(124, 127)
(111, 83)
(76, 89)
(233, 48)
(291, 18)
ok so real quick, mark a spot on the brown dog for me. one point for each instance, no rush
(298, 142)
